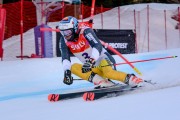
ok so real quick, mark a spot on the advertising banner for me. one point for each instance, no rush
(121, 40)
(43, 42)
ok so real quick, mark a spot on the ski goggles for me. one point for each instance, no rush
(67, 34)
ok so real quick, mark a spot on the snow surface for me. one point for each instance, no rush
(25, 85)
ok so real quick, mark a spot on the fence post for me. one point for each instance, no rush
(21, 23)
(119, 17)
(179, 21)
(2, 26)
(82, 12)
(139, 26)
(165, 28)
(92, 8)
(148, 24)
(102, 15)
(135, 29)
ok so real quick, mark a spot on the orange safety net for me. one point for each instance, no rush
(29, 15)
(13, 17)
(76, 11)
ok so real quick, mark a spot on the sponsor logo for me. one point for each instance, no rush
(91, 37)
(119, 45)
(63, 26)
(80, 45)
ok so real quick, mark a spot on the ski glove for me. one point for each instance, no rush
(68, 79)
(88, 65)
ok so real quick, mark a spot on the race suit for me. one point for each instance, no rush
(86, 46)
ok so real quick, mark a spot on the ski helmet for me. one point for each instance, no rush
(69, 23)
(68, 27)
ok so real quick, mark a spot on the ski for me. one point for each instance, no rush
(91, 96)
(65, 96)
(95, 95)
(58, 97)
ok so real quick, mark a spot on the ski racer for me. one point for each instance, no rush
(85, 45)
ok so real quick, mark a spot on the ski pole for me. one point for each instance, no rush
(49, 29)
(146, 81)
(147, 60)
(161, 58)
(92, 8)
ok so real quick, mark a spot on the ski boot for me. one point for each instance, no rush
(100, 82)
(133, 81)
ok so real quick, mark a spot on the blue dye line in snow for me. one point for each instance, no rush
(62, 90)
